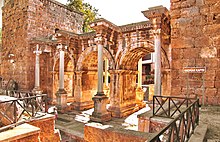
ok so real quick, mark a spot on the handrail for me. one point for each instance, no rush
(29, 107)
(181, 127)
(169, 105)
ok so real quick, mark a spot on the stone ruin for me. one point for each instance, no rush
(189, 35)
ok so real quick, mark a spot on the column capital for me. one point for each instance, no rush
(156, 32)
(79, 72)
(61, 47)
(37, 51)
(99, 39)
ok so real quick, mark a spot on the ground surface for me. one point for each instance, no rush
(211, 117)
(69, 123)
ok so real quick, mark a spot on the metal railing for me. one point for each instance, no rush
(23, 107)
(181, 127)
(168, 106)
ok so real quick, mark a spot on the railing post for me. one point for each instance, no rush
(33, 108)
(46, 104)
(197, 112)
(15, 112)
(153, 105)
(169, 107)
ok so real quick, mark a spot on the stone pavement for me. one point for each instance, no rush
(210, 115)
(73, 123)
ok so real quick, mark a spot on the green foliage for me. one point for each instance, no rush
(90, 13)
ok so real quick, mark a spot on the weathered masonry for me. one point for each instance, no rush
(29, 30)
(195, 42)
(188, 36)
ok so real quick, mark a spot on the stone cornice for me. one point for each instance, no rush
(67, 33)
(155, 12)
(87, 35)
(103, 23)
(135, 26)
(42, 40)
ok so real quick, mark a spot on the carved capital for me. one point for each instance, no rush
(61, 47)
(156, 32)
(37, 51)
(99, 40)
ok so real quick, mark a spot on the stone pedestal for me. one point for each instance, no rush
(37, 90)
(151, 92)
(140, 97)
(107, 92)
(61, 99)
(100, 113)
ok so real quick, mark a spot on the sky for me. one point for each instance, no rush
(121, 12)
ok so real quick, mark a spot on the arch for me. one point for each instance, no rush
(91, 50)
(130, 58)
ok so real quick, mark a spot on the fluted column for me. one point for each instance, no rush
(139, 73)
(61, 93)
(100, 113)
(100, 68)
(157, 71)
(106, 72)
(37, 71)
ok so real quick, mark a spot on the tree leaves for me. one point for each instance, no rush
(90, 13)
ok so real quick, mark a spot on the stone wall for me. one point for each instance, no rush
(93, 134)
(24, 20)
(195, 41)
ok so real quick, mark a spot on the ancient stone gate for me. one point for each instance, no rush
(123, 46)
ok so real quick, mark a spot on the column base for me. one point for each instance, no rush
(120, 112)
(100, 113)
(37, 90)
(82, 105)
(140, 97)
(61, 97)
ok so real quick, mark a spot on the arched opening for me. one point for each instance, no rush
(69, 77)
(87, 77)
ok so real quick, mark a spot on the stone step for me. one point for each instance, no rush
(23, 132)
(199, 134)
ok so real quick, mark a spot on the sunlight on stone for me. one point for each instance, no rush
(131, 122)
(98, 125)
(84, 116)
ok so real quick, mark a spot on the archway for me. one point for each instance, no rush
(123, 100)
(87, 77)
(69, 77)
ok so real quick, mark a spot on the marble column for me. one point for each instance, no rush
(140, 73)
(37, 71)
(106, 72)
(100, 70)
(100, 113)
(139, 90)
(157, 69)
(106, 86)
(61, 93)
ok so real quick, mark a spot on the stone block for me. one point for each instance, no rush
(202, 41)
(210, 75)
(212, 63)
(190, 53)
(209, 84)
(218, 75)
(211, 91)
(210, 2)
(47, 128)
(103, 133)
(199, 2)
(176, 53)
(176, 91)
(217, 84)
(21, 133)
